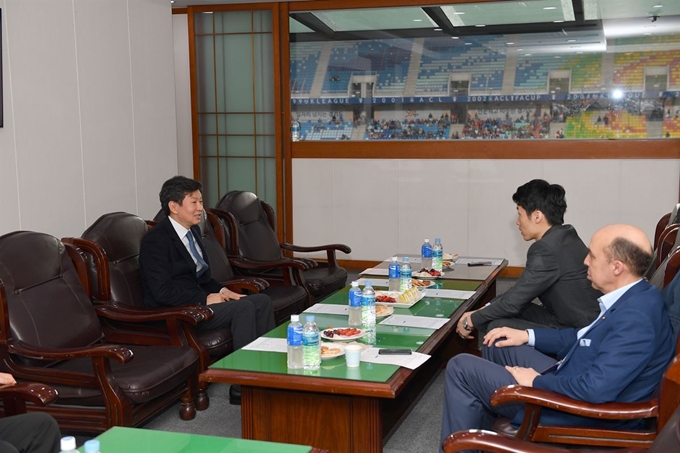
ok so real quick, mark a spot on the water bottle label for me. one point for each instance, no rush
(394, 271)
(426, 252)
(294, 335)
(367, 300)
(355, 298)
(310, 339)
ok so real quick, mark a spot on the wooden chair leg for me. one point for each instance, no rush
(202, 399)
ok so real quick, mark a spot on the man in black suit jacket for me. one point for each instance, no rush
(554, 273)
(175, 269)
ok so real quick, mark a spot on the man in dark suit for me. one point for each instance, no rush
(620, 357)
(175, 270)
(554, 273)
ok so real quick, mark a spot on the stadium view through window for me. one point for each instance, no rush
(541, 69)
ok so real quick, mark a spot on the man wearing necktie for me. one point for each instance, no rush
(175, 269)
(619, 357)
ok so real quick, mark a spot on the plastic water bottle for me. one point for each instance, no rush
(91, 446)
(368, 307)
(295, 130)
(68, 445)
(426, 254)
(311, 347)
(437, 255)
(406, 275)
(394, 274)
(294, 343)
(354, 305)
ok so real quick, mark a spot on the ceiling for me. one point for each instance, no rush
(599, 20)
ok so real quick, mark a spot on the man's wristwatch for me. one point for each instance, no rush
(466, 326)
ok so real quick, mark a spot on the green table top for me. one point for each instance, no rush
(134, 440)
(385, 337)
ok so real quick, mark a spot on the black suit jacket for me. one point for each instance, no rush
(554, 273)
(169, 273)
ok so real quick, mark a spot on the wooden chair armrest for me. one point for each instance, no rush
(252, 284)
(118, 353)
(329, 248)
(498, 443)
(38, 394)
(249, 264)
(544, 398)
(117, 311)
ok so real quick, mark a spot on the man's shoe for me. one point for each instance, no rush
(235, 395)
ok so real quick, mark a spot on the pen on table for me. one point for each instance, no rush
(479, 263)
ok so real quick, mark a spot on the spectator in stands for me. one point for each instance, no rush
(620, 357)
(554, 272)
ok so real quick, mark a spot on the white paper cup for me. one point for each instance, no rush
(353, 355)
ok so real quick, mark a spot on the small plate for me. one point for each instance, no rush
(337, 337)
(449, 257)
(422, 283)
(383, 310)
(426, 275)
(448, 264)
(394, 295)
(333, 350)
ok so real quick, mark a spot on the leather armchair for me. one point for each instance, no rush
(657, 410)
(111, 245)
(50, 332)
(667, 441)
(286, 299)
(279, 272)
(255, 238)
(667, 240)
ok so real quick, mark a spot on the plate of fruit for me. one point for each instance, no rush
(428, 273)
(342, 333)
(422, 283)
(404, 299)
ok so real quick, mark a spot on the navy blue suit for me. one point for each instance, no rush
(620, 359)
(169, 279)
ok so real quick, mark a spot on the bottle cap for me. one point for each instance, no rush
(355, 283)
(406, 259)
(427, 240)
(437, 240)
(368, 283)
(68, 443)
(310, 318)
(395, 259)
(294, 318)
(91, 446)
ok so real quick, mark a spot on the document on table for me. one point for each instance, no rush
(491, 261)
(411, 361)
(449, 293)
(423, 322)
(329, 309)
(375, 271)
(381, 282)
(268, 344)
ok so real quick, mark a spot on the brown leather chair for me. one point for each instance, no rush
(50, 332)
(668, 441)
(111, 245)
(255, 238)
(282, 272)
(286, 299)
(666, 221)
(667, 240)
(658, 411)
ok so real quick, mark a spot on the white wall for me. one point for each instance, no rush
(89, 109)
(185, 156)
(383, 207)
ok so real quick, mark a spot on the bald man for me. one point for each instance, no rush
(620, 357)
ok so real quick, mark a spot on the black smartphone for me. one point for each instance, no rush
(394, 351)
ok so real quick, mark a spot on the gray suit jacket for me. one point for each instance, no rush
(554, 273)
